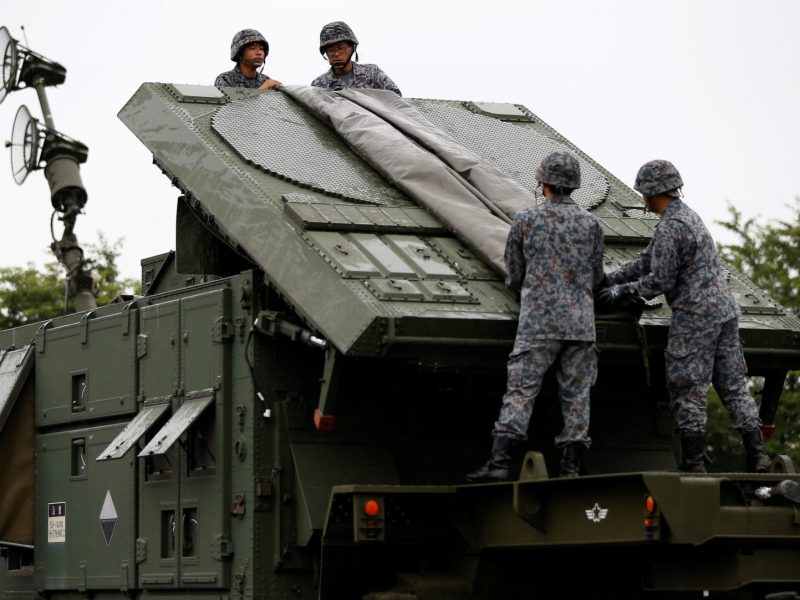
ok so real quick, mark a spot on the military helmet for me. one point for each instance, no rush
(336, 32)
(244, 37)
(560, 169)
(658, 177)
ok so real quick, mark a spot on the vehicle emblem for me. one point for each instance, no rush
(596, 514)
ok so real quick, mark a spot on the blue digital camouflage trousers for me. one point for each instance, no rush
(698, 355)
(577, 371)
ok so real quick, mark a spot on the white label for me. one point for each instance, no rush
(56, 522)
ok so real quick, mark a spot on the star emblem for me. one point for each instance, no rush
(596, 514)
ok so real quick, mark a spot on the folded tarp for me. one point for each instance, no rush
(468, 194)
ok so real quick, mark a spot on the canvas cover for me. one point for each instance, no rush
(472, 196)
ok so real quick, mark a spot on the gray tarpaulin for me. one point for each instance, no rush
(470, 195)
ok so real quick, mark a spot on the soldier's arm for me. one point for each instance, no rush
(385, 81)
(597, 257)
(515, 256)
(635, 269)
(664, 263)
(221, 81)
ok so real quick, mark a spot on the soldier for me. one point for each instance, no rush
(249, 49)
(554, 254)
(338, 42)
(681, 262)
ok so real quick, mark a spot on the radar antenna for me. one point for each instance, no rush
(33, 145)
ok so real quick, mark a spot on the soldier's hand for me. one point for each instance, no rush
(609, 297)
(269, 84)
(618, 297)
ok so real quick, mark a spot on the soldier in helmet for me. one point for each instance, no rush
(554, 255)
(249, 49)
(703, 347)
(338, 43)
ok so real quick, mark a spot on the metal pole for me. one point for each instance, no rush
(38, 84)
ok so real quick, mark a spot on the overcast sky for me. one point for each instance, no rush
(712, 85)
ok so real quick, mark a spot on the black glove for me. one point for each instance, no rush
(618, 297)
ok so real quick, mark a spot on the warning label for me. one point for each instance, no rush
(56, 522)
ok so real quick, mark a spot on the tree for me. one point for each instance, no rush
(29, 295)
(769, 254)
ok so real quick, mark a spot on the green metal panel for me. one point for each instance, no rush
(83, 370)
(14, 368)
(85, 512)
(158, 350)
(184, 530)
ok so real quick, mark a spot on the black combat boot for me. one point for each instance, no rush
(756, 460)
(496, 468)
(571, 460)
(693, 453)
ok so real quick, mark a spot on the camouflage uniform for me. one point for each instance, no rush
(681, 262)
(235, 78)
(364, 76)
(554, 255)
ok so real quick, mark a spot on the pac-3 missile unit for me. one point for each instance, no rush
(289, 409)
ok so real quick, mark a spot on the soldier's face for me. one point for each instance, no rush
(339, 54)
(253, 54)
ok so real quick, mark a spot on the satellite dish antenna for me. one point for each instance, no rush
(24, 144)
(8, 46)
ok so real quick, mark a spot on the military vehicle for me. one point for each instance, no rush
(290, 407)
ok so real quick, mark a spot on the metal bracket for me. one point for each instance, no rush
(324, 420)
(40, 335)
(529, 505)
(238, 509)
(141, 550)
(85, 326)
(533, 467)
(221, 547)
(222, 330)
(125, 317)
(141, 345)
(272, 323)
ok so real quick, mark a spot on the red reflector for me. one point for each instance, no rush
(372, 508)
(650, 504)
(324, 422)
(648, 522)
(768, 431)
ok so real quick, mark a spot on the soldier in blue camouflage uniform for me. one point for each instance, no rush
(249, 49)
(338, 42)
(554, 255)
(681, 262)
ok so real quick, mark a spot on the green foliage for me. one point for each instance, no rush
(724, 446)
(103, 261)
(769, 254)
(29, 295)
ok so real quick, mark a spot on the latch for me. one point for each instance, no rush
(85, 326)
(221, 547)
(238, 510)
(40, 335)
(222, 330)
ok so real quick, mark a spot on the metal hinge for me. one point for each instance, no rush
(141, 550)
(141, 345)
